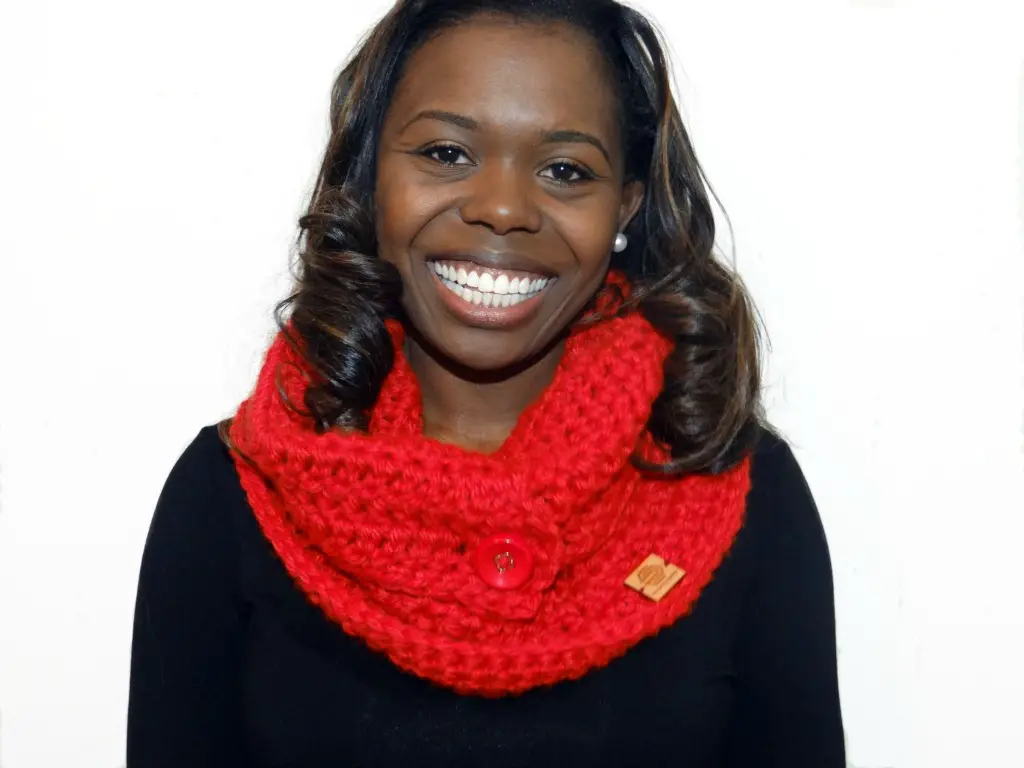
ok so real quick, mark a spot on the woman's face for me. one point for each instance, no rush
(500, 187)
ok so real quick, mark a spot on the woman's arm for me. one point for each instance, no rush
(184, 702)
(787, 712)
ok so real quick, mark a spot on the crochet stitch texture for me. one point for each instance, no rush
(379, 528)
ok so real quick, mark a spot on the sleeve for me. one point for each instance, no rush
(184, 695)
(786, 712)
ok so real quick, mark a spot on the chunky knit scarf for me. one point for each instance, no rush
(383, 529)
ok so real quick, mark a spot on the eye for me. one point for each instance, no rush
(446, 154)
(564, 172)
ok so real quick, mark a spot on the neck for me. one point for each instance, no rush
(473, 410)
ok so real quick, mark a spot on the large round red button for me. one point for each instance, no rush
(504, 561)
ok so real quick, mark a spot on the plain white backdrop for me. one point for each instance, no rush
(153, 161)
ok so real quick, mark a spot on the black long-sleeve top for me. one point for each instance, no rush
(232, 666)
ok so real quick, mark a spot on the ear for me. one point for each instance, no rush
(632, 196)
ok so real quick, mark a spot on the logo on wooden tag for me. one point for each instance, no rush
(654, 577)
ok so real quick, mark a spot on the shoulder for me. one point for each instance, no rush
(205, 460)
(781, 511)
(200, 497)
(203, 471)
(774, 470)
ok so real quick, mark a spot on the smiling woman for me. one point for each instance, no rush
(490, 164)
(502, 493)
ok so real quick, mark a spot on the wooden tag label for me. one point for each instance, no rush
(654, 577)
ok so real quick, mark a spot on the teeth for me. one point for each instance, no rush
(487, 290)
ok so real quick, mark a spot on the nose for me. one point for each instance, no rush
(501, 199)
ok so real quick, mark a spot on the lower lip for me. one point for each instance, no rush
(488, 317)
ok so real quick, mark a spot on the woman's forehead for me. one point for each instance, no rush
(512, 75)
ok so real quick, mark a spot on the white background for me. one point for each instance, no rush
(154, 159)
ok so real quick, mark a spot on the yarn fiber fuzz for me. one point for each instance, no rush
(379, 528)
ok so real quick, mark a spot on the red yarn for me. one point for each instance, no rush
(379, 529)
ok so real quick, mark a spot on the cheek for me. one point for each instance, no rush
(401, 211)
(589, 234)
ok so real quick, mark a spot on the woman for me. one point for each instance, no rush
(501, 495)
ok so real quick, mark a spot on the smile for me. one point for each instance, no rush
(485, 287)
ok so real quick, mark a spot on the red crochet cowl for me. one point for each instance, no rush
(382, 529)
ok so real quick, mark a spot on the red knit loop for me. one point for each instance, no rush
(381, 529)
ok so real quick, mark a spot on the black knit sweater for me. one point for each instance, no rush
(231, 666)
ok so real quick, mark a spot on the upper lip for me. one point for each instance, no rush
(498, 260)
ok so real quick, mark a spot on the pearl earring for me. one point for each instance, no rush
(620, 243)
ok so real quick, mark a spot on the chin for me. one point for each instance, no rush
(487, 352)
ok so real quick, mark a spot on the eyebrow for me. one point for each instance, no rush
(460, 121)
(576, 137)
(548, 137)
